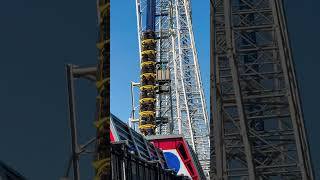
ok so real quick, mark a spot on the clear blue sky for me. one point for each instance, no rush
(125, 53)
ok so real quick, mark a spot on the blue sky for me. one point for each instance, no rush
(125, 52)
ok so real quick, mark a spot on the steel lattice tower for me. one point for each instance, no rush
(257, 126)
(180, 98)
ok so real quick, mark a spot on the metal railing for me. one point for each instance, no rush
(128, 166)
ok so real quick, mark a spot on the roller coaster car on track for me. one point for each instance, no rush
(170, 152)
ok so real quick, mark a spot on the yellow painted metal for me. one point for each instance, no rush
(147, 113)
(147, 84)
(100, 45)
(102, 161)
(148, 52)
(147, 126)
(147, 87)
(148, 75)
(101, 84)
(99, 124)
(148, 63)
(148, 41)
(147, 100)
(101, 166)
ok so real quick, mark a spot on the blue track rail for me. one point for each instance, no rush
(151, 15)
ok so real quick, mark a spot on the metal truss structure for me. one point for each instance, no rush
(258, 127)
(100, 76)
(102, 154)
(180, 102)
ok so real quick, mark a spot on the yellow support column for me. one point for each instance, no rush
(147, 121)
(102, 162)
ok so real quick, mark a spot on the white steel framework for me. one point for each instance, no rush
(183, 104)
